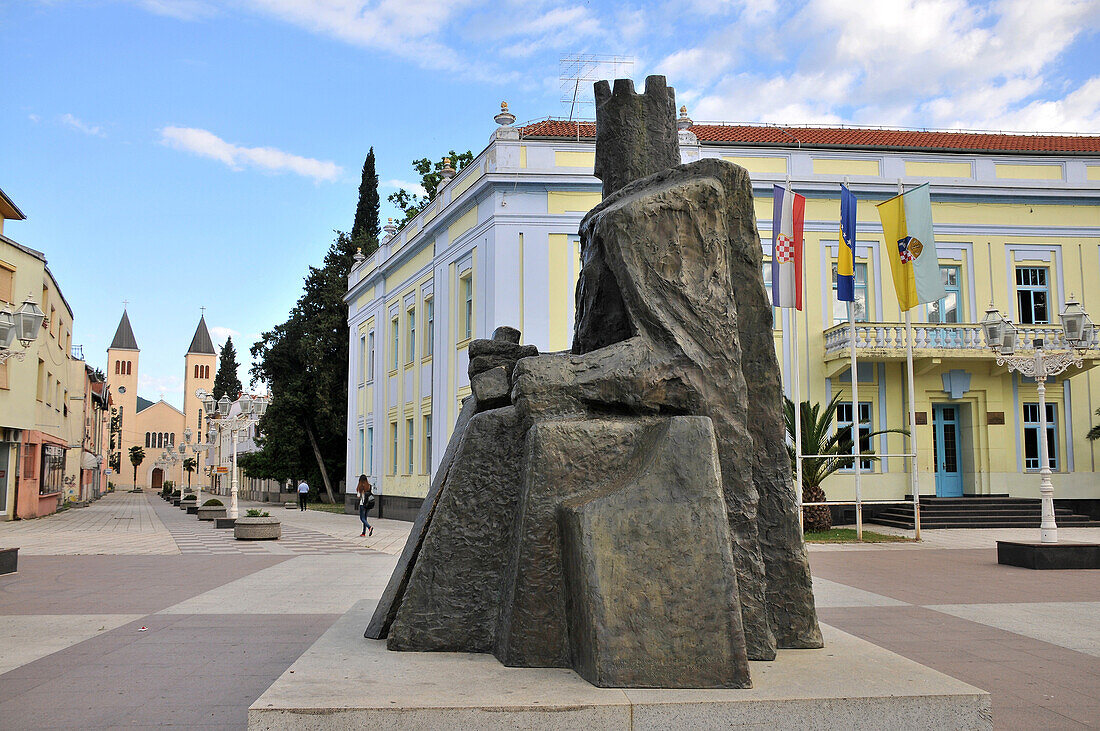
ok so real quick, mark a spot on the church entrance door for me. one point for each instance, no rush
(158, 478)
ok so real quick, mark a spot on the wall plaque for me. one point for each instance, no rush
(995, 418)
(920, 418)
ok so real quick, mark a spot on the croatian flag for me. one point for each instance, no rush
(788, 213)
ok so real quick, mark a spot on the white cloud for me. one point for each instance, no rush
(180, 9)
(395, 184)
(207, 144)
(33, 117)
(71, 121)
(220, 333)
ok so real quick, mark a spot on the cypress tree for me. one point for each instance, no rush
(366, 229)
(226, 382)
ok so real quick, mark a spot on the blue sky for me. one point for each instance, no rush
(208, 149)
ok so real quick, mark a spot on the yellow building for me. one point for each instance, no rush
(157, 427)
(49, 422)
(1017, 221)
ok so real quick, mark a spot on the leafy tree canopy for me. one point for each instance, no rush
(431, 175)
(365, 230)
(226, 382)
(304, 361)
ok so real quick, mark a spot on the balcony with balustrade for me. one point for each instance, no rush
(886, 341)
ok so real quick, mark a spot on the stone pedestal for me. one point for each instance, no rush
(344, 681)
(1060, 555)
(9, 560)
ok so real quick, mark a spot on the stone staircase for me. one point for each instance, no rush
(987, 511)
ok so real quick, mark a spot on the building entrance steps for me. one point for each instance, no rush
(983, 511)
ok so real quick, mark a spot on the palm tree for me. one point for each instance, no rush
(137, 456)
(1094, 433)
(190, 465)
(820, 437)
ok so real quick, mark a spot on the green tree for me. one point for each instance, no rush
(1094, 432)
(365, 229)
(819, 437)
(137, 456)
(226, 382)
(304, 361)
(190, 465)
(431, 175)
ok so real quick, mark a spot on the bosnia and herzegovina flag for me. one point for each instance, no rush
(788, 214)
(845, 260)
(907, 226)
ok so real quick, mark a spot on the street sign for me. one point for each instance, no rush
(222, 470)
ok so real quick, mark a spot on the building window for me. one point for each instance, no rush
(370, 450)
(118, 367)
(362, 358)
(859, 307)
(410, 443)
(362, 452)
(466, 287)
(1032, 459)
(429, 326)
(946, 310)
(427, 444)
(393, 446)
(410, 318)
(7, 283)
(844, 423)
(396, 343)
(1032, 295)
(370, 355)
(53, 469)
(148, 440)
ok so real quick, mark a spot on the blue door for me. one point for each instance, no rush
(945, 421)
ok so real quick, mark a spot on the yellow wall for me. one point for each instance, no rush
(572, 201)
(574, 159)
(938, 169)
(836, 166)
(760, 164)
(1029, 172)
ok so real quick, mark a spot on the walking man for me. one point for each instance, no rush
(303, 490)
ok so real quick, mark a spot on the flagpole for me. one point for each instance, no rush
(855, 391)
(914, 483)
(797, 392)
(855, 414)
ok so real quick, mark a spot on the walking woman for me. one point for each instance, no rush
(366, 502)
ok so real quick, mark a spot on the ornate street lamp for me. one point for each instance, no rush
(223, 406)
(1000, 336)
(23, 324)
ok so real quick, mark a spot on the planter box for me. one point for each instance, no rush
(175, 501)
(224, 522)
(210, 512)
(257, 529)
(9, 560)
(192, 509)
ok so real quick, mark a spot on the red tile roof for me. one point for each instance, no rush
(849, 137)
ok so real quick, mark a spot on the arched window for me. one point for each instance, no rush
(172, 439)
(206, 371)
(118, 367)
(148, 439)
(196, 370)
(127, 367)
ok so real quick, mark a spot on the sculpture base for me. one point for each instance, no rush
(345, 681)
(1060, 555)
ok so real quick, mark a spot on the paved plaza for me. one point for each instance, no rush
(131, 613)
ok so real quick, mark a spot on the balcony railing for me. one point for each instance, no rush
(964, 339)
(78, 352)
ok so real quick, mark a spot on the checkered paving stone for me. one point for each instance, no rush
(194, 536)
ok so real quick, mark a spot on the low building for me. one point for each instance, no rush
(46, 425)
(1017, 222)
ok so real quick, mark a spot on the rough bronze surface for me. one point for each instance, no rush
(388, 604)
(452, 602)
(635, 133)
(649, 568)
(631, 513)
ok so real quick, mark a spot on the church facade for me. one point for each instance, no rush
(155, 426)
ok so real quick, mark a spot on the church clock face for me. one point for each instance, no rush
(122, 389)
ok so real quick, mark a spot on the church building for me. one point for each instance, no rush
(157, 427)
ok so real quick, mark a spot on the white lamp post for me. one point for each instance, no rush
(1001, 336)
(251, 408)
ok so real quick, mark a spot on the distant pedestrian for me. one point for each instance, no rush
(303, 490)
(366, 502)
